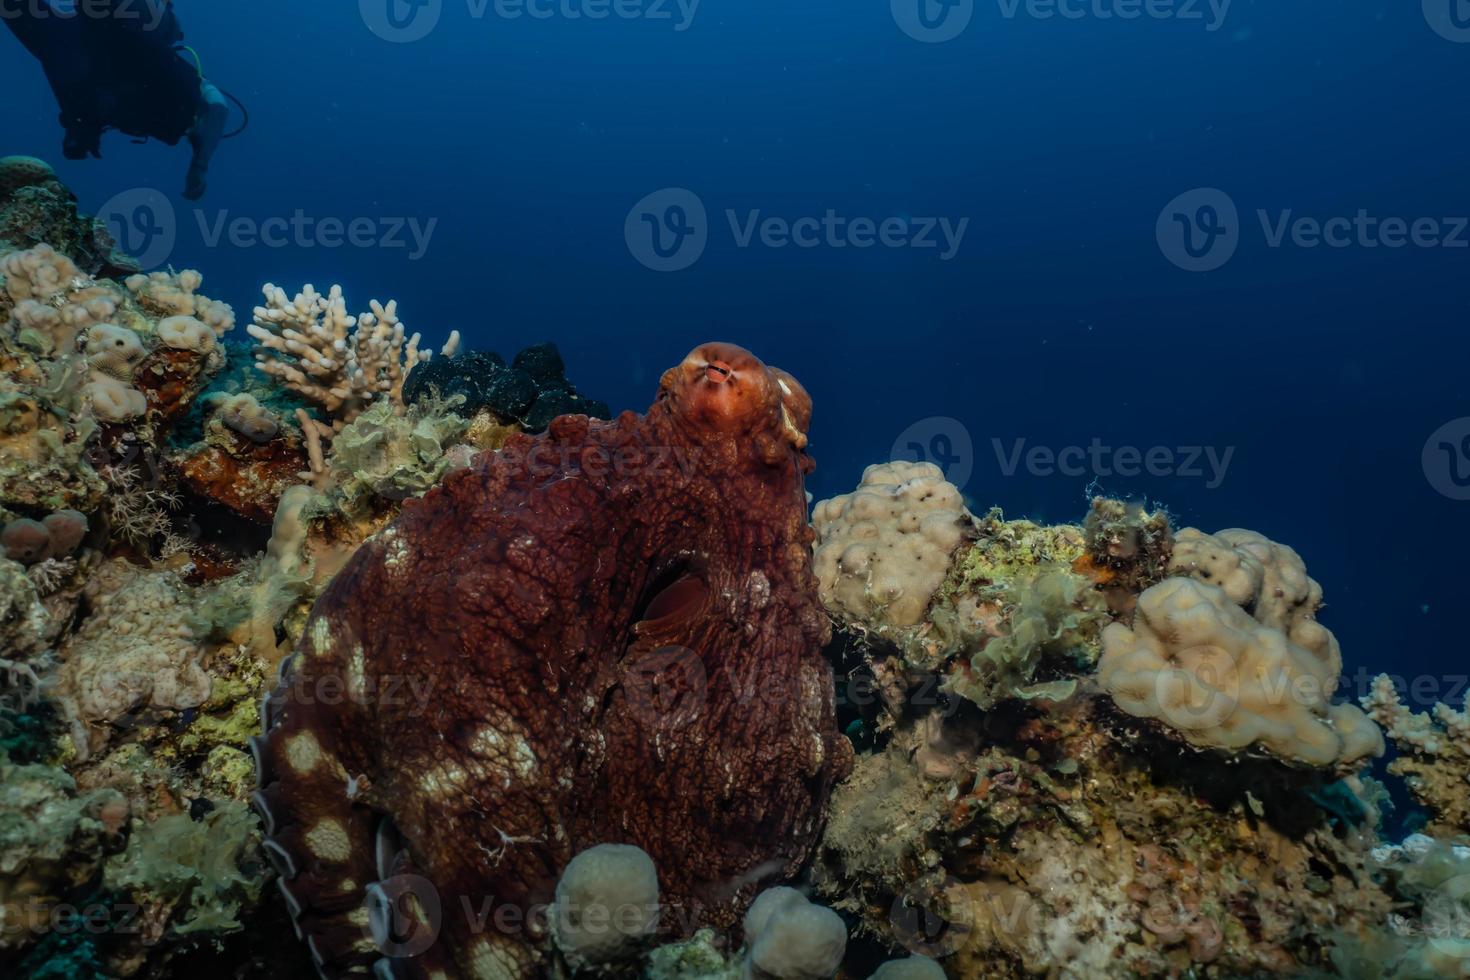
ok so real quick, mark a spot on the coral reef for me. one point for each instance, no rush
(582, 673)
(626, 563)
(1021, 814)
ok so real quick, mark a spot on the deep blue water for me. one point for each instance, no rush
(1058, 321)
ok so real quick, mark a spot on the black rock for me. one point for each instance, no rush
(470, 374)
(542, 362)
(554, 402)
(510, 393)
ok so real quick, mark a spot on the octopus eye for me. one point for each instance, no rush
(718, 372)
(676, 593)
(682, 595)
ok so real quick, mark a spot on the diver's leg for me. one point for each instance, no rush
(55, 42)
(205, 137)
(34, 25)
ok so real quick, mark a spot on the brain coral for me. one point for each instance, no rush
(608, 633)
(884, 549)
(1199, 663)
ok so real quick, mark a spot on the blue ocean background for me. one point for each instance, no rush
(1059, 321)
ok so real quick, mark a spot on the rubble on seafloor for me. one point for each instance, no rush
(1074, 757)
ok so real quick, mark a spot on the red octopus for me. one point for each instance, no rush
(608, 633)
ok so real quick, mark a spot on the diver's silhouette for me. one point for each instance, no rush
(120, 64)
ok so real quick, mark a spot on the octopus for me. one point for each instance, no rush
(607, 633)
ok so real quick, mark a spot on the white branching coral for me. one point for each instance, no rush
(1434, 753)
(342, 363)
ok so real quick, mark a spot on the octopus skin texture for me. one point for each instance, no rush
(607, 633)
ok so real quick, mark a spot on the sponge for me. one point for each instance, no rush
(789, 938)
(606, 904)
(913, 968)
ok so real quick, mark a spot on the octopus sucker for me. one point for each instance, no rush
(501, 642)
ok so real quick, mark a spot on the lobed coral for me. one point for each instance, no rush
(883, 551)
(1198, 662)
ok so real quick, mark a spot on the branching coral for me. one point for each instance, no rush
(339, 362)
(1434, 754)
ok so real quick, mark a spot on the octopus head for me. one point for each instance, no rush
(726, 390)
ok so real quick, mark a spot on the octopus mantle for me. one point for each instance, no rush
(605, 634)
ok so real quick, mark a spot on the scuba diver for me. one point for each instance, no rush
(121, 64)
